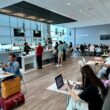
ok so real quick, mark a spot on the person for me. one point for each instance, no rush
(60, 53)
(27, 48)
(106, 65)
(71, 48)
(39, 52)
(92, 49)
(64, 50)
(55, 53)
(94, 91)
(82, 49)
(98, 50)
(106, 105)
(12, 66)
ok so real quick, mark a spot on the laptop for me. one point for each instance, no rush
(60, 83)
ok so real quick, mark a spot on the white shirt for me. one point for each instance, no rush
(92, 48)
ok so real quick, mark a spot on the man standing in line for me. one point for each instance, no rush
(39, 51)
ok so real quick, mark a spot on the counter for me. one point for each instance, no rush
(28, 62)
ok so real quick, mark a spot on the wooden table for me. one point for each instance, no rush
(5, 75)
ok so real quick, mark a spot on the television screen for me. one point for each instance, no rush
(105, 37)
(36, 34)
(18, 33)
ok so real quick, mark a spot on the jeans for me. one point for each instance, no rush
(102, 73)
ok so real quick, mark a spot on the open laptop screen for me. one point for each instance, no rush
(59, 81)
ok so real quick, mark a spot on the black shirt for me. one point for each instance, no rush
(27, 49)
(92, 96)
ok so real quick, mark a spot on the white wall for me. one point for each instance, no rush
(92, 34)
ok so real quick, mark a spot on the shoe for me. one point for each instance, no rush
(57, 65)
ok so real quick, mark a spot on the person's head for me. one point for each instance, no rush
(89, 77)
(56, 43)
(60, 42)
(70, 43)
(39, 44)
(12, 57)
(25, 44)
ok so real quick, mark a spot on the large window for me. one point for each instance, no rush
(8, 39)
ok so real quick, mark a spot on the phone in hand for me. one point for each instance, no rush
(78, 87)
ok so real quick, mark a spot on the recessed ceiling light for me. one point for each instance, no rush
(41, 19)
(31, 17)
(89, 15)
(19, 14)
(68, 3)
(80, 11)
(5, 11)
(50, 21)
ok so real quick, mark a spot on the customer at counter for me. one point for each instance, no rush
(65, 46)
(12, 66)
(60, 53)
(39, 51)
(93, 89)
(27, 48)
(71, 48)
(55, 53)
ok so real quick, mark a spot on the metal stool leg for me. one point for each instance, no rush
(24, 85)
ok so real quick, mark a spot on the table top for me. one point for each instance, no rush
(94, 62)
(5, 74)
(54, 88)
(105, 55)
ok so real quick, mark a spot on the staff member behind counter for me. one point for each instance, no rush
(12, 66)
(27, 48)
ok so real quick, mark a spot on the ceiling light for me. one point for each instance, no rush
(31, 17)
(49, 21)
(41, 19)
(80, 11)
(68, 4)
(89, 15)
(5, 11)
(19, 14)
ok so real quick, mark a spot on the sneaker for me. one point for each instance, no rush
(57, 65)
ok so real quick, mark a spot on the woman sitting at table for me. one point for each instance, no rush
(93, 89)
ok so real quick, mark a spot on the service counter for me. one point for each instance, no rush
(28, 63)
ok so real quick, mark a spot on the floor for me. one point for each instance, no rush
(37, 97)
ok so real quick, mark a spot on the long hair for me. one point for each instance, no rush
(89, 77)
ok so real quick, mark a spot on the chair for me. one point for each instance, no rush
(81, 63)
(23, 82)
(24, 85)
(84, 60)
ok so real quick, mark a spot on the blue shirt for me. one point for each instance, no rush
(13, 67)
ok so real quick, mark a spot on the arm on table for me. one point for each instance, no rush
(72, 93)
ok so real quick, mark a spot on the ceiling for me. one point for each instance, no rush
(86, 12)
(30, 11)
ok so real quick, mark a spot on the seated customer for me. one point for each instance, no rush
(105, 65)
(93, 89)
(12, 66)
